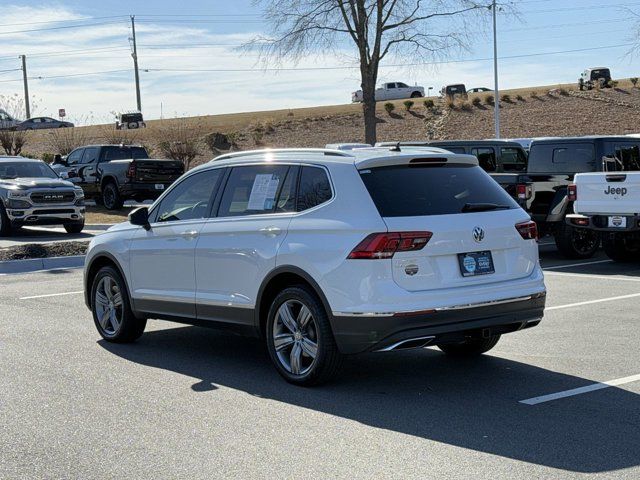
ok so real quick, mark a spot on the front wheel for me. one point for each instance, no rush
(577, 243)
(470, 347)
(74, 227)
(621, 248)
(299, 338)
(5, 223)
(111, 197)
(111, 309)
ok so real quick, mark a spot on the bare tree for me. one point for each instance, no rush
(378, 28)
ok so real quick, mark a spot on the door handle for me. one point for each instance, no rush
(270, 231)
(190, 233)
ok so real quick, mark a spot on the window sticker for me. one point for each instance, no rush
(263, 192)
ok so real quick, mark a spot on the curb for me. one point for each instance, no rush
(39, 264)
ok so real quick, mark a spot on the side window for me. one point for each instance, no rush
(314, 188)
(486, 158)
(392, 85)
(252, 190)
(75, 157)
(628, 157)
(513, 160)
(90, 155)
(575, 158)
(287, 198)
(191, 198)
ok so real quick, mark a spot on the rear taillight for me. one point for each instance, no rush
(385, 245)
(524, 191)
(131, 171)
(572, 192)
(528, 230)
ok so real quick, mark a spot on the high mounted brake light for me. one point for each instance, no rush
(385, 245)
(528, 230)
(572, 192)
(131, 171)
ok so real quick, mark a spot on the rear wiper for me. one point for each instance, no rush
(483, 207)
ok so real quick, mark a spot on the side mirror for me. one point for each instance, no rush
(140, 217)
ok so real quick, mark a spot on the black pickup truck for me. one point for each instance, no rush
(552, 166)
(504, 161)
(112, 174)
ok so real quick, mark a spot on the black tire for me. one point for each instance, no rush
(620, 248)
(470, 347)
(328, 358)
(576, 243)
(5, 225)
(75, 227)
(111, 197)
(416, 95)
(130, 327)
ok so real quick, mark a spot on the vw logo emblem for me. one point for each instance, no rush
(478, 234)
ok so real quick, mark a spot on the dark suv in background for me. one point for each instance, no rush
(112, 174)
(551, 168)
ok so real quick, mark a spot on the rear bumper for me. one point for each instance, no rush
(365, 332)
(601, 224)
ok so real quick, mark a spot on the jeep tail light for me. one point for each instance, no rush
(528, 230)
(524, 191)
(572, 192)
(385, 245)
(131, 171)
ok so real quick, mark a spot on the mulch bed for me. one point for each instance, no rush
(34, 250)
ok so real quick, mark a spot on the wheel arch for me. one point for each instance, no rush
(274, 282)
(109, 178)
(104, 259)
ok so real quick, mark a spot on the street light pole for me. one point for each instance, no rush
(495, 71)
(134, 54)
(27, 109)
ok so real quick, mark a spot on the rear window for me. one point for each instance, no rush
(513, 160)
(403, 191)
(565, 158)
(123, 153)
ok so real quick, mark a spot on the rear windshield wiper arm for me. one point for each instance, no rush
(483, 207)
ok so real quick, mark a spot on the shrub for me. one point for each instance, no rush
(257, 136)
(47, 157)
(181, 141)
(450, 103)
(477, 101)
(464, 105)
(634, 81)
(429, 104)
(520, 98)
(389, 107)
(63, 140)
(111, 135)
(534, 94)
(506, 98)
(217, 141)
(564, 92)
(489, 100)
(408, 105)
(613, 83)
(12, 142)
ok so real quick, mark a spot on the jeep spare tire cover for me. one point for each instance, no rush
(133, 125)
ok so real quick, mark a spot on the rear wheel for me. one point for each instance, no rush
(5, 224)
(576, 243)
(75, 227)
(416, 95)
(111, 309)
(299, 338)
(621, 248)
(470, 347)
(111, 197)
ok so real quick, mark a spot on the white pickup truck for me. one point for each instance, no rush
(609, 203)
(391, 91)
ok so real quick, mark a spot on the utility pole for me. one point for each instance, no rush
(134, 54)
(495, 71)
(27, 109)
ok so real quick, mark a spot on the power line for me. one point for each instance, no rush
(61, 21)
(59, 28)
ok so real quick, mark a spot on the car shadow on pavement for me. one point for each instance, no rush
(472, 404)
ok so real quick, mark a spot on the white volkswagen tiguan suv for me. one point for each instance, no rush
(325, 253)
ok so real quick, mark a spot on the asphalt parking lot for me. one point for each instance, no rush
(44, 235)
(187, 402)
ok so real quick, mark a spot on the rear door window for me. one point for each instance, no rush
(627, 157)
(90, 155)
(512, 159)
(403, 191)
(486, 158)
(315, 188)
(252, 190)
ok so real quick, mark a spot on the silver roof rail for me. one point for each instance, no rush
(249, 153)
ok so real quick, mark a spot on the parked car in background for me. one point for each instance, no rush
(451, 91)
(552, 165)
(114, 173)
(391, 91)
(31, 193)
(346, 146)
(39, 123)
(479, 90)
(609, 203)
(591, 77)
(324, 254)
(7, 122)
(130, 121)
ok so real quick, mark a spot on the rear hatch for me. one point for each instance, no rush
(607, 193)
(157, 170)
(470, 218)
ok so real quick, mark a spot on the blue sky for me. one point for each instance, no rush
(186, 36)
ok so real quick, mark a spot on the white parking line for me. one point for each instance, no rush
(558, 267)
(595, 277)
(52, 295)
(580, 390)
(589, 302)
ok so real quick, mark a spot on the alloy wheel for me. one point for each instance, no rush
(108, 305)
(295, 337)
(585, 241)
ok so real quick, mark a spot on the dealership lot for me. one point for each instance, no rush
(186, 401)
